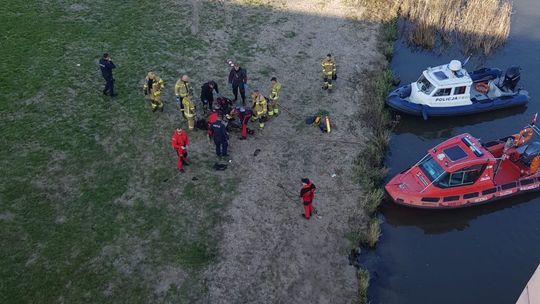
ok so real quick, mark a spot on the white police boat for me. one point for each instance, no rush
(449, 90)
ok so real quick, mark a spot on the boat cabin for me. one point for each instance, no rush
(443, 86)
(462, 172)
(455, 163)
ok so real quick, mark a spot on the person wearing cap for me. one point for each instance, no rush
(329, 72)
(106, 65)
(207, 94)
(307, 194)
(189, 110)
(273, 105)
(221, 137)
(180, 142)
(182, 89)
(152, 88)
(238, 81)
(260, 108)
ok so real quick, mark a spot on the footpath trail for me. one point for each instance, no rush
(268, 253)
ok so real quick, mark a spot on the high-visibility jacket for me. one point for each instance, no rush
(328, 67)
(153, 87)
(189, 107)
(182, 88)
(274, 94)
(179, 139)
(260, 106)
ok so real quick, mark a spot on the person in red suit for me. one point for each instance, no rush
(245, 115)
(212, 118)
(307, 193)
(180, 142)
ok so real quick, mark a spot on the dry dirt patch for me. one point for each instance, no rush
(269, 253)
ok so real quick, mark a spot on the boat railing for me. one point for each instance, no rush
(535, 129)
(417, 163)
(433, 181)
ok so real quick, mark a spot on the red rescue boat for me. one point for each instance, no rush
(462, 172)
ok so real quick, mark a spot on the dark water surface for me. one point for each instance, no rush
(482, 254)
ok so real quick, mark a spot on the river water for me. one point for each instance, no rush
(483, 254)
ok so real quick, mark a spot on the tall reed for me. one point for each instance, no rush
(478, 25)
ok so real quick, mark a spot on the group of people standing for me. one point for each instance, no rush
(220, 114)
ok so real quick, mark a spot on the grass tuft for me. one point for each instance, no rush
(363, 285)
(370, 237)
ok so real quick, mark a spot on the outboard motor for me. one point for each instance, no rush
(530, 151)
(511, 78)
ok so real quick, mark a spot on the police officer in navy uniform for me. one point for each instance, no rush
(106, 65)
(221, 137)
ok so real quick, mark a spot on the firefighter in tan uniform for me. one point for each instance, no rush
(329, 72)
(152, 88)
(273, 105)
(189, 110)
(182, 89)
(260, 108)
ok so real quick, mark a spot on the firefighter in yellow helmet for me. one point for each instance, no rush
(152, 88)
(329, 72)
(273, 105)
(189, 110)
(182, 89)
(260, 108)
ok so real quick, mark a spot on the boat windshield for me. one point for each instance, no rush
(424, 85)
(430, 168)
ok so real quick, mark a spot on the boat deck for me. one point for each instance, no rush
(508, 172)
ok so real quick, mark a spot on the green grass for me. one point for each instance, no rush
(87, 215)
(369, 164)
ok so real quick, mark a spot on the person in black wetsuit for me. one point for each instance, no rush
(207, 94)
(238, 80)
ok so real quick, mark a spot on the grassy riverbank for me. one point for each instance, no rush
(90, 210)
(371, 170)
(90, 207)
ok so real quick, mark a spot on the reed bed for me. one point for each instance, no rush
(478, 25)
(363, 285)
(485, 24)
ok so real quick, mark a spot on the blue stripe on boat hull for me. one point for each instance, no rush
(402, 105)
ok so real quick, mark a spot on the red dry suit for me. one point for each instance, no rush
(244, 118)
(212, 118)
(179, 142)
(307, 193)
